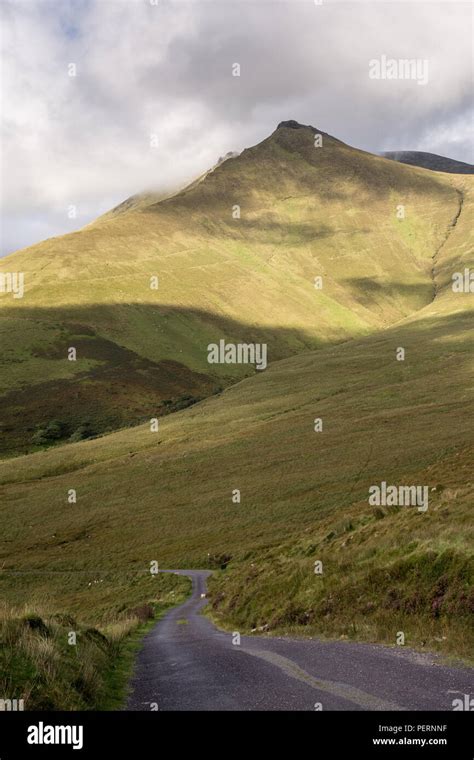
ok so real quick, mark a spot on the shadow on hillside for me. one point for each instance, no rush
(274, 231)
(134, 362)
(367, 290)
(146, 361)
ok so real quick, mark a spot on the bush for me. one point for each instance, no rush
(53, 431)
(83, 432)
(219, 560)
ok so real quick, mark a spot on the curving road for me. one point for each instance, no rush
(186, 663)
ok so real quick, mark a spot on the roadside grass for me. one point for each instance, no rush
(383, 572)
(41, 664)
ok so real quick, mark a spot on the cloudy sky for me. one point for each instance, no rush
(164, 68)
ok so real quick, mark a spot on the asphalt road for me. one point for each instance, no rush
(188, 664)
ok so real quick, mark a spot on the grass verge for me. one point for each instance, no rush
(56, 662)
(388, 576)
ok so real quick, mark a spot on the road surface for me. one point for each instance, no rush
(188, 664)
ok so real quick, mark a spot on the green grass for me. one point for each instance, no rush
(40, 666)
(167, 496)
(383, 572)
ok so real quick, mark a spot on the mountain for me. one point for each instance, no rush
(236, 254)
(430, 161)
(266, 482)
(167, 496)
(142, 200)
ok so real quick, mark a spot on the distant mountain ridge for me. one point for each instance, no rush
(429, 161)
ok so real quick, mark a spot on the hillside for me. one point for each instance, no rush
(167, 496)
(305, 212)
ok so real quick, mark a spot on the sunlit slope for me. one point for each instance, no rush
(305, 212)
(304, 494)
(456, 253)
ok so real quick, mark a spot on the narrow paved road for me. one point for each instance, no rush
(188, 664)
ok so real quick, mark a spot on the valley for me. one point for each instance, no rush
(167, 496)
(306, 213)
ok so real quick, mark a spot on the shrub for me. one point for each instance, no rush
(53, 431)
(83, 432)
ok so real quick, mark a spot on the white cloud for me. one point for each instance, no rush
(166, 69)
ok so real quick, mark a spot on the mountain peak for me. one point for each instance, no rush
(302, 129)
(292, 124)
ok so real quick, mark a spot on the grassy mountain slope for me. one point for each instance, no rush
(167, 496)
(304, 212)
